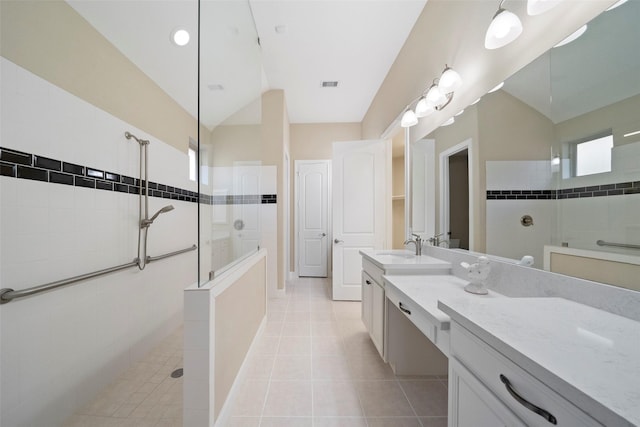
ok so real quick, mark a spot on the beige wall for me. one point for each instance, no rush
(314, 141)
(50, 39)
(599, 270)
(275, 141)
(239, 310)
(229, 144)
(621, 117)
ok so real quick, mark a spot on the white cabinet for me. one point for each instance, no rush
(373, 310)
(483, 381)
(471, 404)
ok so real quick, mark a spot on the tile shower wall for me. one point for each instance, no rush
(515, 189)
(257, 209)
(60, 348)
(608, 207)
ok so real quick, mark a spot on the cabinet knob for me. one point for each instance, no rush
(368, 282)
(336, 241)
(524, 402)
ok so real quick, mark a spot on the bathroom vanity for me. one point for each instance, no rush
(517, 357)
(376, 264)
(541, 362)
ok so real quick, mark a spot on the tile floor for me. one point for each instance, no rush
(144, 396)
(314, 366)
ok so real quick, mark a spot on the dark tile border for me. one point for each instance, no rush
(17, 164)
(618, 189)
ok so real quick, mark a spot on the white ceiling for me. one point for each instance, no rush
(352, 41)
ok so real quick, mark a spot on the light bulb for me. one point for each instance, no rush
(424, 108)
(180, 37)
(435, 96)
(449, 81)
(504, 28)
(409, 119)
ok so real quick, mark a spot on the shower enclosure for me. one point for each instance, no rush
(81, 204)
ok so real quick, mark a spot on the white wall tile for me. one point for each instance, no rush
(79, 337)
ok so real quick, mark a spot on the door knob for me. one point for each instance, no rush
(322, 234)
(336, 241)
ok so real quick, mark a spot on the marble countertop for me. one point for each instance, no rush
(589, 356)
(426, 290)
(400, 259)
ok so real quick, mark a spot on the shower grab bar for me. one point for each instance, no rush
(8, 294)
(619, 245)
(170, 254)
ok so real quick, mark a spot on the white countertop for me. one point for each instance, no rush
(400, 259)
(426, 290)
(589, 356)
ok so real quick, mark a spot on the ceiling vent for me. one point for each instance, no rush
(330, 84)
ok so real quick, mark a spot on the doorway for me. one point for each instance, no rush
(312, 217)
(456, 196)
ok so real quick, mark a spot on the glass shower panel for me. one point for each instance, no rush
(231, 172)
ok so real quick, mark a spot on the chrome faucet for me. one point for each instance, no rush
(435, 240)
(417, 242)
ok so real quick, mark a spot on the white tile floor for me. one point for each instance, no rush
(314, 366)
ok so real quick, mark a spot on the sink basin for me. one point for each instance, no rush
(396, 254)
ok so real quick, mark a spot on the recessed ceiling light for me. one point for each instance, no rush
(180, 37)
(332, 83)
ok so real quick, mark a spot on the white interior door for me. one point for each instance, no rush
(313, 218)
(360, 194)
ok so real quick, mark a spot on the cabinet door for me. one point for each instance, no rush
(377, 317)
(367, 291)
(471, 404)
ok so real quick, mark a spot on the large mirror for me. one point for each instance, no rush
(550, 160)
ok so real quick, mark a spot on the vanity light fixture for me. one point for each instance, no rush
(538, 7)
(505, 27)
(498, 87)
(409, 119)
(573, 36)
(180, 37)
(438, 96)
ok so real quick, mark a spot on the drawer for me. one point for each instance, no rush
(492, 367)
(411, 312)
(373, 271)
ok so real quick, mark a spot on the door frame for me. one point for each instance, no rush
(297, 190)
(444, 188)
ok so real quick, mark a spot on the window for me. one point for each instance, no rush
(592, 155)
